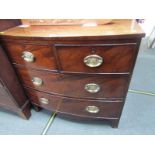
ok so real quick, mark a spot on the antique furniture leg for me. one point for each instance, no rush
(25, 113)
(114, 123)
(36, 108)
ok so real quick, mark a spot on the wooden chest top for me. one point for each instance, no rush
(118, 28)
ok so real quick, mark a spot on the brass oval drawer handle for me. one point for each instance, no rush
(92, 88)
(92, 109)
(28, 56)
(93, 60)
(44, 101)
(37, 81)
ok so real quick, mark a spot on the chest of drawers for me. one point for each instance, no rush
(12, 96)
(80, 72)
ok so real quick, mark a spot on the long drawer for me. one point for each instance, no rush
(102, 58)
(85, 108)
(78, 86)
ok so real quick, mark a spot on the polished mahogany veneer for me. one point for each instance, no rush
(78, 71)
(74, 85)
(44, 58)
(115, 29)
(114, 55)
(78, 107)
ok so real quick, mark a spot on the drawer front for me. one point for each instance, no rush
(96, 59)
(34, 56)
(79, 86)
(87, 108)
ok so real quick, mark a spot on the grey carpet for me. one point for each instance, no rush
(11, 124)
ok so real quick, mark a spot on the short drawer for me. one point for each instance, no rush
(78, 86)
(86, 108)
(96, 58)
(33, 56)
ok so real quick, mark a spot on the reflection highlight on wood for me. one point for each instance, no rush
(65, 21)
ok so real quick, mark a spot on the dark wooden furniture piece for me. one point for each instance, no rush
(80, 71)
(12, 96)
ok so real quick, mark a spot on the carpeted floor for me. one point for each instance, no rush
(138, 116)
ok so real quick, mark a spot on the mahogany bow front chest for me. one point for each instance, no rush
(79, 71)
